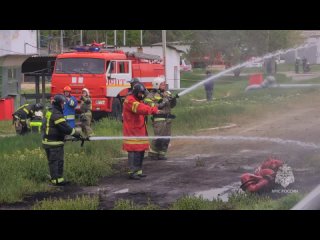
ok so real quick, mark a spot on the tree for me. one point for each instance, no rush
(238, 45)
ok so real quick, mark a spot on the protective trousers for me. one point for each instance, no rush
(71, 122)
(209, 94)
(135, 160)
(159, 147)
(85, 119)
(20, 126)
(55, 156)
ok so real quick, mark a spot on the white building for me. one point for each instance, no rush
(18, 42)
(172, 61)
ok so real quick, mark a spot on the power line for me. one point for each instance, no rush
(31, 45)
(10, 51)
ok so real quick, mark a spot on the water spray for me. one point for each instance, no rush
(217, 138)
(241, 65)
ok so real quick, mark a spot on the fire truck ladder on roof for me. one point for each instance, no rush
(143, 56)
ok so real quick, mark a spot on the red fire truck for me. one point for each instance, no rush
(105, 73)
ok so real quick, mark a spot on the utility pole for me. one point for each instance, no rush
(140, 38)
(61, 40)
(97, 36)
(81, 42)
(38, 33)
(268, 40)
(124, 37)
(164, 48)
(115, 38)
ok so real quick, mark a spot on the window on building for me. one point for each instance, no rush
(12, 73)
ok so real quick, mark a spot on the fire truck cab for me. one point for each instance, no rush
(106, 74)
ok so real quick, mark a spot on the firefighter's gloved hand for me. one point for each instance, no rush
(163, 103)
(176, 95)
(77, 136)
(159, 112)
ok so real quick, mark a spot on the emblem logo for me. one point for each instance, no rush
(284, 176)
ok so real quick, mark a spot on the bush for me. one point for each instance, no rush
(79, 203)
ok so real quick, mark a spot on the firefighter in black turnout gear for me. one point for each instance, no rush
(23, 115)
(54, 129)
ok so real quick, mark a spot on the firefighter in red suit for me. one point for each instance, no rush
(134, 125)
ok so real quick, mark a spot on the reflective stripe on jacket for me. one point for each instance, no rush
(25, 111)
(134, 123)
(55, 128)
(69, 108)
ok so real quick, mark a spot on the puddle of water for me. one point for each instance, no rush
(196, 156)
(122, 190)
(302, 169)
(247, 167)
(219, 193)
(245, 151)
(214, 193)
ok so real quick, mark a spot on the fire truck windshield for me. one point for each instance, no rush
(80, 65)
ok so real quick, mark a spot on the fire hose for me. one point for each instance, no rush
(186, 137)
(73, 139)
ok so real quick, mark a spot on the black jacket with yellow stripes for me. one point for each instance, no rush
(25, 111)
(55, 127)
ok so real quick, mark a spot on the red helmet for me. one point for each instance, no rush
(67, 89)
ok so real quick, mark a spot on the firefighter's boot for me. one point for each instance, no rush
(134, 176)
(153, 155)
(140, 174)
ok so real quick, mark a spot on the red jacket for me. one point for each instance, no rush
(134, 123)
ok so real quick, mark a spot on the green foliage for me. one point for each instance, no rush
(79, 203)
(108, 127)
(6, 127)
(22, 172)
(237, 201)
(238, 45)
(72, 37)
(24, 166)
(263, 202)
(197, 203)
(230, 101)
(125, 204)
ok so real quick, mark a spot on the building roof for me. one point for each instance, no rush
(38, 64)
(168, 46)
(154, 45)
(13, 59)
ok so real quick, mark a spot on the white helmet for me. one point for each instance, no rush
(38, 114)
(86, 90)
(156, 82)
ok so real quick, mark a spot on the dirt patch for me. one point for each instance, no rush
(59, 192)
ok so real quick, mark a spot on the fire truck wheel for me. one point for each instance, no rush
(116, 109)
